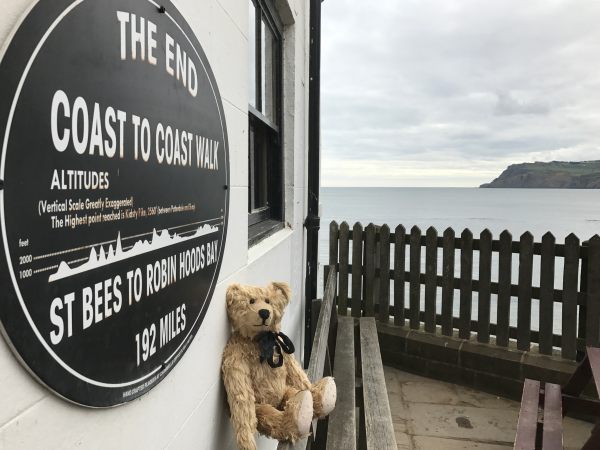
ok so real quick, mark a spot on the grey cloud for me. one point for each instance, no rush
(460, 80)
(508, 105)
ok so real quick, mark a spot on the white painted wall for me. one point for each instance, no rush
(187, 409)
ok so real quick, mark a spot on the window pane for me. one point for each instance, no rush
(261, 173)
(252, 54)
(269, 72)
(258, 166)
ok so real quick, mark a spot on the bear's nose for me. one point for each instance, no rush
(264, 314)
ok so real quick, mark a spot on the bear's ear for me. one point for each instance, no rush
(232, 292)
(282, 290)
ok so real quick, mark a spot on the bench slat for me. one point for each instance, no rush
(553, 430)
(527, 424)
(378, 418)
(341, 432)
(594, 357)
(319, 348)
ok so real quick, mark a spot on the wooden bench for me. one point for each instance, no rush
(348, 348)
(532, 434)
(557, 402)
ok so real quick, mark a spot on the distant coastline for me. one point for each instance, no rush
(555, 174)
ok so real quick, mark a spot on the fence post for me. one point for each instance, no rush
(583, 287)
(384, 274)
(504, 283)
(343, 269)
(369, 270)
(377, 265)
(525, 292)
(448, 282)
(569, 307)
(485, 280)
(546, 310)
(357, 267)
(593, 293)
(399, 274)
(466, 283)
(430, 278)
(333, 250)
(415, 270)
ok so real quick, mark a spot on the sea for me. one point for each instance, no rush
(559, 211)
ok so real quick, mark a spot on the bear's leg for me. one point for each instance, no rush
(290, 424)
(290, 393)
(324, 395)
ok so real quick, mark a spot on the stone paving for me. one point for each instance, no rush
(430, 414)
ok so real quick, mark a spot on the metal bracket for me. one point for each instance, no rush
(312, 222)
(161, 9)
(1, 184)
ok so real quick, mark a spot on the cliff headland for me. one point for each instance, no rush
(555, 174)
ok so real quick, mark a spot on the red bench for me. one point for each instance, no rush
(533, 434)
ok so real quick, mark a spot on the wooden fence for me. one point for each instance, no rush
(372, 276)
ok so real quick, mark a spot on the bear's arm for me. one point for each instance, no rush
(240, 395)
(296, 377)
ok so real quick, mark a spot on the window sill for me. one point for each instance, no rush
(262, 230)
(268, 244)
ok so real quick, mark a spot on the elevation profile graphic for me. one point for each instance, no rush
(160, 239)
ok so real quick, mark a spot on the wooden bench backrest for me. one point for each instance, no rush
(319, 347)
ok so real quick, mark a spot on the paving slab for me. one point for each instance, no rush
(403, 441)
(575, 432)
(428, 392)
(430, 414)
(431, 443)
(471, 397)
(463, 422)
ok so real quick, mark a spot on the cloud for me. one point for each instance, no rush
(508, 105)
(465, 84)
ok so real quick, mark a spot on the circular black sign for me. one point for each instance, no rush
(114, 201)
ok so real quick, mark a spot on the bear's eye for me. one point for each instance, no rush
(268, 302)
(252, 301)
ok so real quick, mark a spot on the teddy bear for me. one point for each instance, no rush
(267, 389)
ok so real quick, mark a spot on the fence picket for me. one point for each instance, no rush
(370, 270)
(357, 264)
(569, 301)
(415, 270)
(430, 278)
(485, 285)
(546, 313)
(448, 282)
(466, 288)
(333, 250)
(384, 278)
(343, 270)
(593, 293)
(583, 285)
(524, 294)
(399, 268)
(376, 262)
(504, 282)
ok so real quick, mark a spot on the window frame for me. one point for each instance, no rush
(266, 219)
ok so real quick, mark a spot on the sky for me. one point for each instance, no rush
(450, 92)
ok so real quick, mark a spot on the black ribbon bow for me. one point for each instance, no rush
(271, 344)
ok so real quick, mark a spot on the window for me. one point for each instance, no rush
(265, 161)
